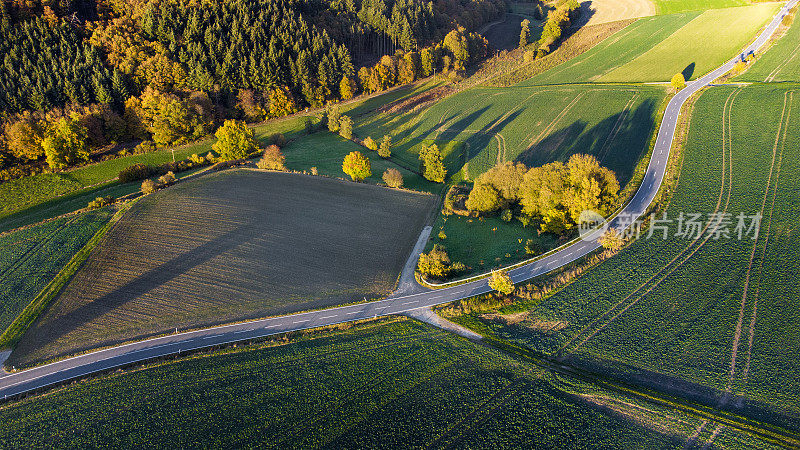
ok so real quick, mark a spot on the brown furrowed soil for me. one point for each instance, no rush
(231, 246)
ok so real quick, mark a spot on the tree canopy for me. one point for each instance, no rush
(234, 140)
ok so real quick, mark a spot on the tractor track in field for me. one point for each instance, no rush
(780, 143)
(772, 75)
(603, 153)
(549, 128)
(25, 256)
(661, 275)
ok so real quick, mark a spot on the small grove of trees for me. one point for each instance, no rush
(554, 194)
(437, 264)
(234, 141)
(272, 159)
(167, 118)
(357, 166)
(678, 81)
(431, 162)
(501, 282)
(555, 25)
(393, 178)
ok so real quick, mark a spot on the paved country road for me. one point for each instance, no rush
(20, 382)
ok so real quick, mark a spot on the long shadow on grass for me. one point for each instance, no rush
(157, 276)
(618, 141)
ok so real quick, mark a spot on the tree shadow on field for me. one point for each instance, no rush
(54, 329)
(688, 72)
(618, 141)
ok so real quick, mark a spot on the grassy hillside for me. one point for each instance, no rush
(534, 125)
(708, 316)
(622, 47)
(676, 6)
(781, 62)
(386, 385)
(230, 246)
(30, 258)
(701, 45)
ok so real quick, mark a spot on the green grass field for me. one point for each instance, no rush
(231, 246)
(677, 311)
(703, 44)
(676, 6)
(389, 384)
(30, 258)
(622, 47)
(781, 62)
(534, 125)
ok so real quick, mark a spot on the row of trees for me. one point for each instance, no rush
(555, 194)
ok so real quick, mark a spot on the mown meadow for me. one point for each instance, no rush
(376, 385)
(676, 6)
(703, 44)
(713, 317)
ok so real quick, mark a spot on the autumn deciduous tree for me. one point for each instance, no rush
(24, 138)
(437, 264)
(333, 116)
(347, 88)
(357, 166)
(234, 140)
(611, 240)
(346, 127)
(281, 102)
(483, 198)
(678, 81)
(385, 150)
(65, 143)
(273, 159)
(393, 178)
(501, 282)
(432, 164)
(525, 33)
(370, 143)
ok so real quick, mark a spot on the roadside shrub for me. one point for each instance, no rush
(314, 171)
(145, 147)
(167, 179)
(135, 172)
(99, 202)
(197, 159)
(148, 187)
(611, 240)
(501, 282)
(393, 178)
(437, 264)
(210, 158)
(273, 159)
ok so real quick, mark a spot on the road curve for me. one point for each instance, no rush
(28, 380)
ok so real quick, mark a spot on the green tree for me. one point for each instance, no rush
(437, 264)
(678, 81)
(385, 150)
(347, 88)
(483, 198)
(426, 61)
(333, 116)
(346, 127)
(357, 166)
(234, 141)
(501, 282)
(432, 164)
(525, 33)
(65, 143)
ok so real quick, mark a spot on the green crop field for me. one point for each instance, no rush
(230, 246)
(30, 258)
(700, 46)
(711, 317)
(676, 6)
(781, 62)
(389, 384)
(534, 125)
(625, 45)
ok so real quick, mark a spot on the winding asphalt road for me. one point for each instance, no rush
(24, 381)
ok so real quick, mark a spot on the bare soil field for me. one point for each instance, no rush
(231, 246)
(594, 12)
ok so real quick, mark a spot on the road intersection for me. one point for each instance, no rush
(24, 381)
